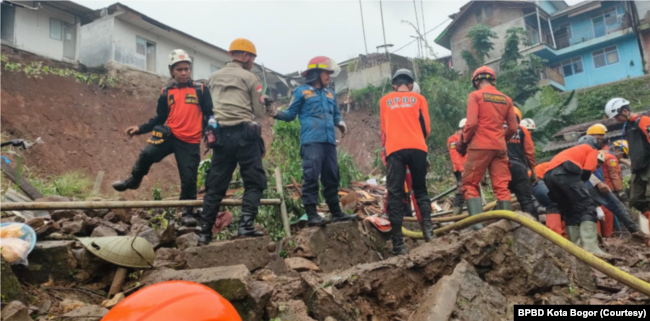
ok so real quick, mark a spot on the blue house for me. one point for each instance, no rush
(587, 44)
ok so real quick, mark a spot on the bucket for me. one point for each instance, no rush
(29, 235)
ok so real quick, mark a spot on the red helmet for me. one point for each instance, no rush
(174, 301)
(484, 72)
(323, 63)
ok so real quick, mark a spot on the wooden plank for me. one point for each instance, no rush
(283, 206)
(25, 186)
(98, 182)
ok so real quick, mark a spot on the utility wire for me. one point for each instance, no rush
(412, 41)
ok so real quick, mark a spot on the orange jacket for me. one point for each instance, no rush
(487, 112)
(456, 159)
(643, 123)
(584, 156)
(612, 172)
(404, 121)
(541, 169)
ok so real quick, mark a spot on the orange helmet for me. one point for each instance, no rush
(322, 63)
(518, 113)
(174, 301)
(484, 72)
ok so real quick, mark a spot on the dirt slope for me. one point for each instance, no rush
(363, 139)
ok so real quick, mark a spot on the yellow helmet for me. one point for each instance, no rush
(241, 44)
(597, 129)
(622, 145)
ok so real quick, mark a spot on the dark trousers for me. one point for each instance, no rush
(396, 164)
(520, 185)
(540, 191)
(610, 202)
(572, 196)
(459, 199)
(188, 157)
(235, 150)
(319, 162)
(640, 190)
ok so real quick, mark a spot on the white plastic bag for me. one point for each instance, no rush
(15, 250)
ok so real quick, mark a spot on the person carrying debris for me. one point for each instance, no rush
(315, 106)
(540, 192)
(484, 141)
(404, 117)
(184, 108)
(566, 180)
(458, 162)
(237, 140)
(521, 152)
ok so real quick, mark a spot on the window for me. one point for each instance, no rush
(605, 22)
(572, 66)
(488, 11)
(56, 29)
(605, 57)
(213, 68)
(148, 50)
(479, 17)
(7, 22)
(140, 46)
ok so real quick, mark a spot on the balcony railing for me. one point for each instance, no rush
(551, 74)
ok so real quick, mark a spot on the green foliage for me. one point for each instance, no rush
(36, 69)
(369, 97)
(285, 150)
(157, 194)
(591, 101)
(551, 112)
(519, 76)
(347, 169)
(71, 184)
(481, 37)
(204, 166)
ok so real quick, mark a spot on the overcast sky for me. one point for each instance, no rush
(289, 33)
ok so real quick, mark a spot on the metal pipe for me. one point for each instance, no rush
(443, 194)
(26, 206)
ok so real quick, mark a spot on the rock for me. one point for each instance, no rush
(252, 308)
(90, 264)
(112, 302)
(251, 252)
(92, 223)
(185, 230)
(229, 281)
(74, 228)
(64, 214)
(167, 236)
(277, 265)
(96, 212)
(48, 258)
(464, 295)
(102, 231)
(53, 199)
(186, 241)
(150, 235)
(15, 311)
(68, 305)
(271, 247)
(11, 289)
(111, 217)
(87, 313)
(294, 310)
(36, 222)
(123, 214)
(301, 264)
(13, 219)
(49, 228)
(169, 257)
(120, 227)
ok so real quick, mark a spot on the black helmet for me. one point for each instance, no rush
(590, 140)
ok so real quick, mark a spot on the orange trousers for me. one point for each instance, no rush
(556, 224)
(480, 160)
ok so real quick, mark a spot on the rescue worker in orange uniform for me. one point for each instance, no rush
(566, 180)
(540, 192)
(485, 140)
(183, 110)
(458, 162)
(521, 152)
(404, 117)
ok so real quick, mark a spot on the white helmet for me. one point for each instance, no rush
(416, 88)
(176, 56)
(527, 123)
(614, 105)
(462, 122)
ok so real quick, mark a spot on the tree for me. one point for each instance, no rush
(481, 37)
(519, 75)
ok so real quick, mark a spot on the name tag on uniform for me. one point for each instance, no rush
(308, 94)
(492, 98)
(191, 99)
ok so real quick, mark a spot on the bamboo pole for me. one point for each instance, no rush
(283, 205)
(7, 206)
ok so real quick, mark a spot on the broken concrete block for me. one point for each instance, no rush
(68, 305)
(167, 236)
(74, 228)
(101, 231)
(123, 214)
(252, 308)
(120, 227)
(87, 313)
(294, 310)
(251, 252)
(229, 281)
(48, 258)
(151, 236)
(186, 241)
(277, 264)
(301, 264)
(63, 214)
(15, 311)
(169, 257)
(96, 212)
(11, 289)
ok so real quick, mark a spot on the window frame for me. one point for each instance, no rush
(60, 29)
(479, 16)
(604, 54)
(572, 62)
(602, 14)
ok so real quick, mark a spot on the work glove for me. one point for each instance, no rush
(343, 128)
(602, 188)
(622, 196)
(600, 213)
(533, 177)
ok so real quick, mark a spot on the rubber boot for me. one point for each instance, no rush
(504, 205)
(129, 183)
(554, 222)
(313, 219)
(474, 207)
(205, 237)
(573, 232)
(397, 238)
(427, 230)
(338, 215)
(457, 210)
(247, 226)
(187, 218)
(589, 237)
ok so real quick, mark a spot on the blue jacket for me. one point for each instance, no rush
(317, 111)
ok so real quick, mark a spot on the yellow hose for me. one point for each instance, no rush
(596, 263)
(486, 208)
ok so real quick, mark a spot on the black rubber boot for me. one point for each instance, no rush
(474, 207)
(205, 237)
(427, 230)
(129, 183)
(313, 219)
(247, 226)
(338, 215)
(397, 238)
(504, 205)
(187, 218)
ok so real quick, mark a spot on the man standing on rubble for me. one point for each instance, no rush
(404, 117)
(315, 105)
(521, 152)
(182, 112)
(237, 140)
(484, 141)
(458, 162)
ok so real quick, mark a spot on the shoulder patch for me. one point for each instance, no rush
(330, 95)
(612, 163)
(493, 98)
(308, 94)
(259, 89)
